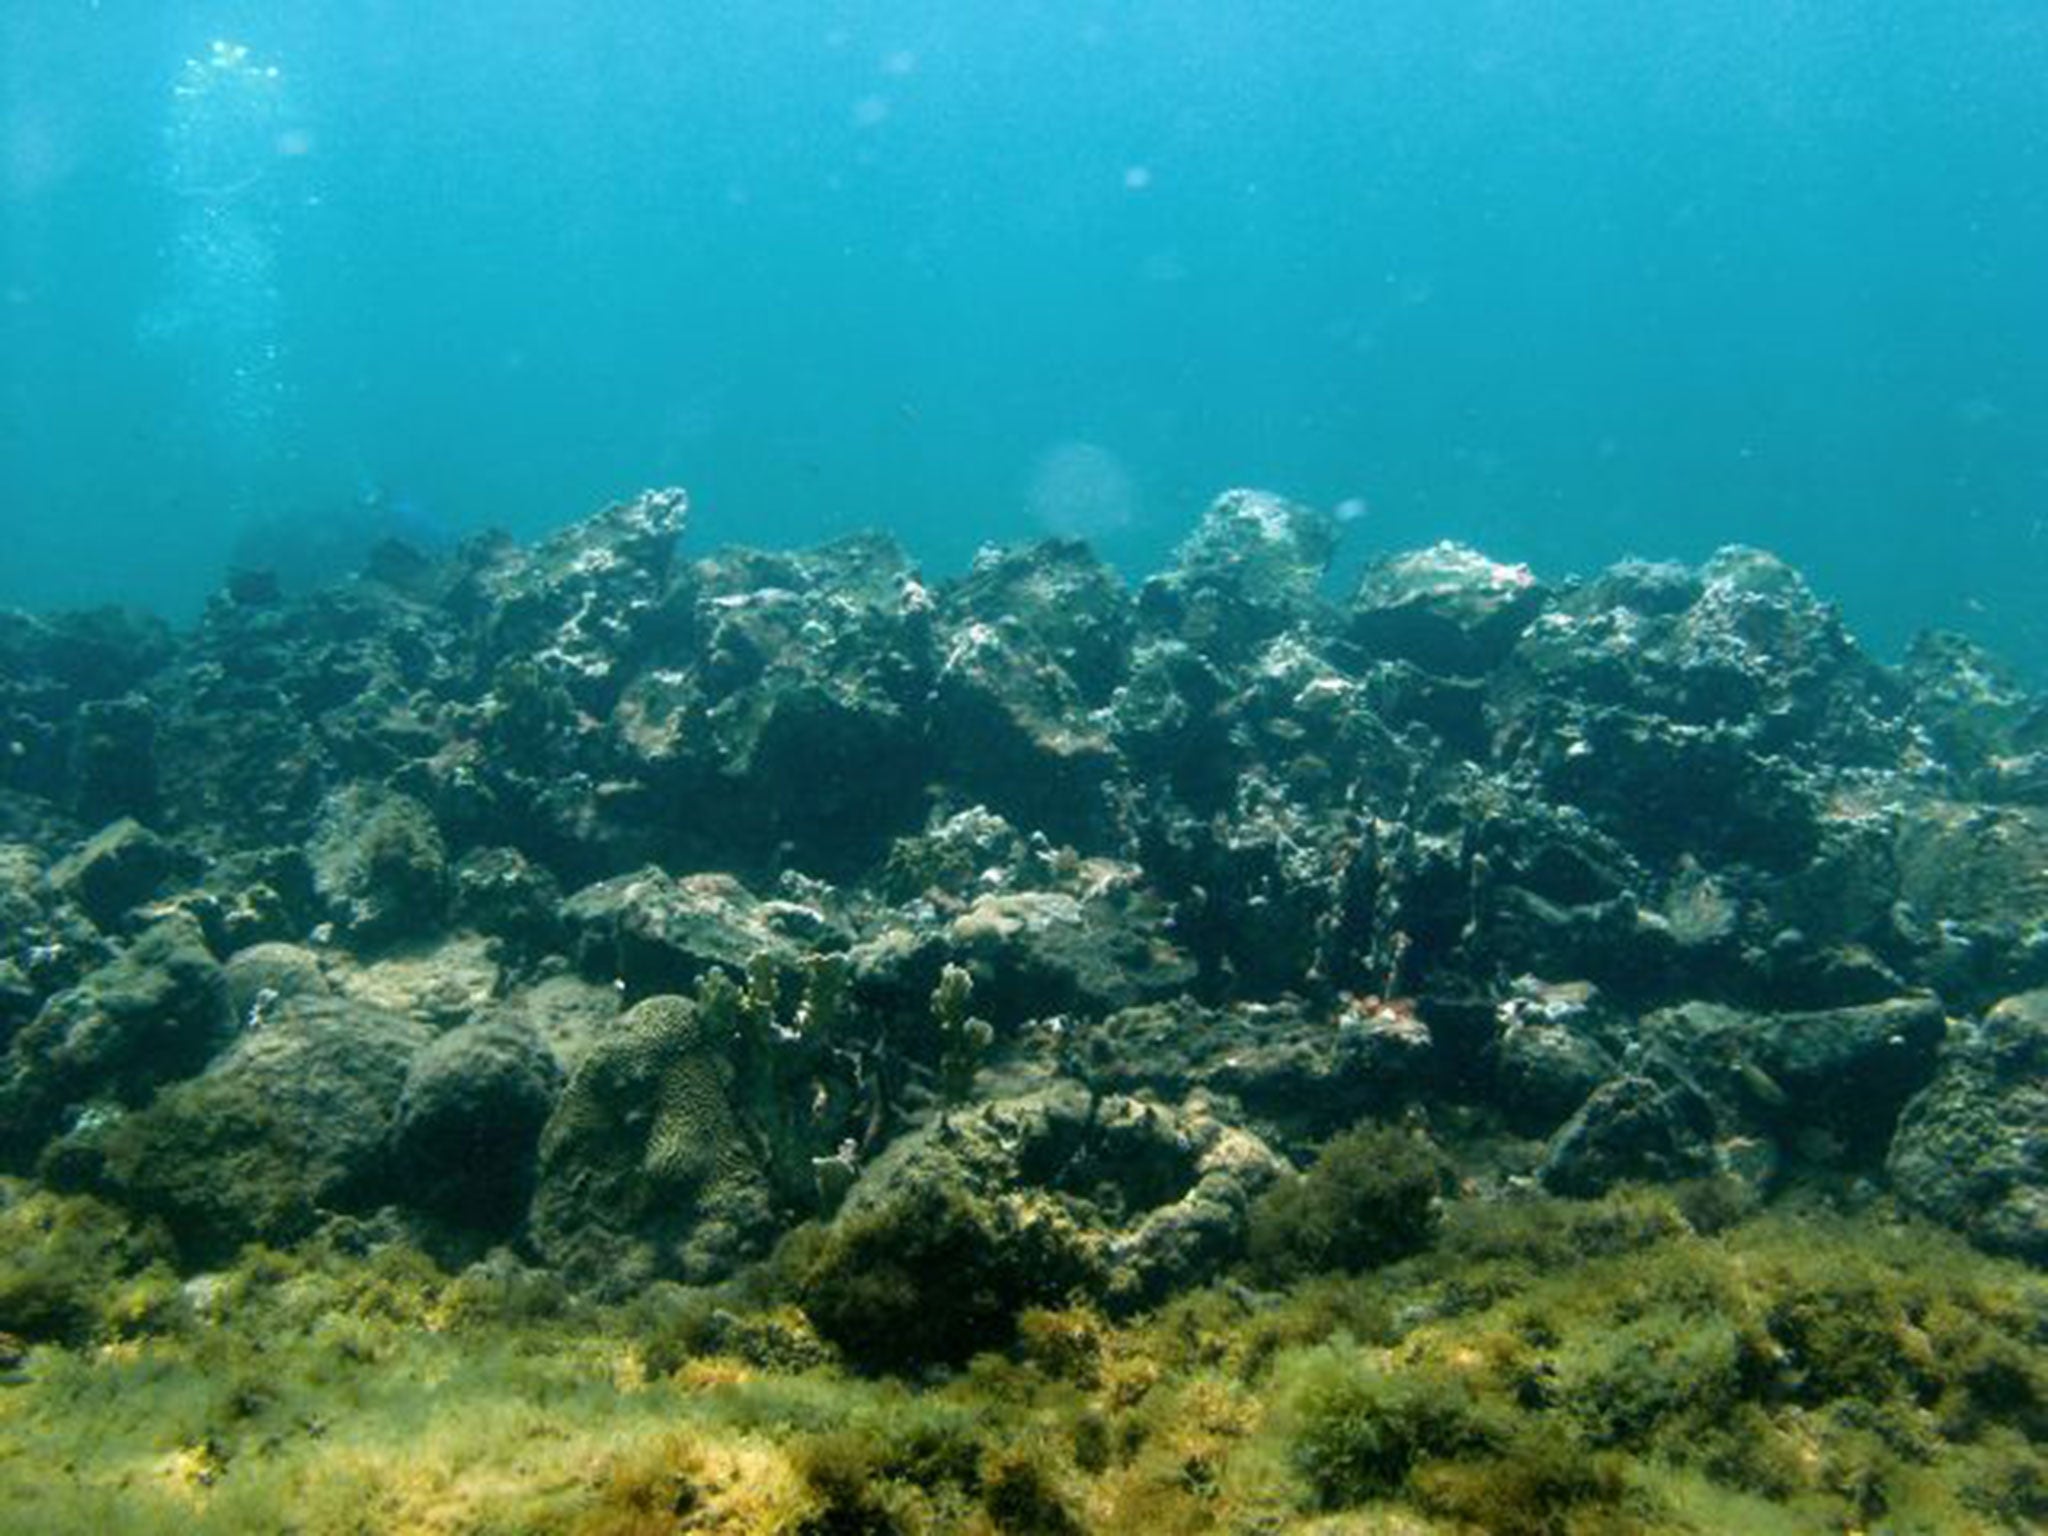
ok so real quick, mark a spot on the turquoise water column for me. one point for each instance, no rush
(229, 142)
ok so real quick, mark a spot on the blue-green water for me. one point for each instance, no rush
(1568, 280)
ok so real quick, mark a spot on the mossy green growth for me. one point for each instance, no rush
(1369, 1198)
(74, 1270)
(1793, 1373)
(933, 1273)
(1358, 1431)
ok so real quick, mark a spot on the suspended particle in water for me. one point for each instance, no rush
(1080, 490)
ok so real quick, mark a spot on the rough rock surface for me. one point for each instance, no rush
(156, 1012)
(1972, 1149)
(119, 868)
(291, 1124)
(1087, 898)
(1154, 1196)
(468, 1123)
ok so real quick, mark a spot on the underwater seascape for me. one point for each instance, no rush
(1316, 801)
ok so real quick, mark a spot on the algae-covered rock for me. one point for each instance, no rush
(956, 857)
(1077, 613)
(1635, 1127)
(157, 1012)
(379, 864)
(1990, 729)
(468, 1124)
(932, 1274)
(790, 730)
(263, 975)
(1971, 882)
(1972, 1147)
(1299, 1071)
(120, 867)
(1011, 729)
(654, 934)
(46, 943)
(1370, 1197)
(1831, 1080)
(1555, 1047)
(1037, 953)
(501, 892)
(1249, 570)
(582, 604)
(1682, 711)
(645, 1171)
(114, 769)
(1447, 609)
(1142, 1197)
(290, 1125)
(1032, 643)
(62, 1260)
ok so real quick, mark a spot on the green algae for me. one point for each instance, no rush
(1545, 1367)
(1370, 1197)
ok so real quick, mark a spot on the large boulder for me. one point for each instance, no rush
(1038, 953)
(46, 943)
(1044, 1190)
(1446, 609)
(1639, 1126)
(379, 865)
(119, 868)
(652, 933)
(156, 1012)
(1828, 1082)
(1972, 1147)
(1298, 1073)
(468, 1124)
(584, 605)
(790, 730)
(1251, 569)
(292, 1124)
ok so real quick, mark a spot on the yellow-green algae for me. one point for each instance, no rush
(1547, 1367)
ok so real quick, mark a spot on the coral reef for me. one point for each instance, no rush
(1021, 1053)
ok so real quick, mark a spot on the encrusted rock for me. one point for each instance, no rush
(1446, 608)
(156, 1012)
(1831, 1081)
(292, 1124)
(1632, 1127)
(1037, 953)
(264, 975)
(582, 604)
(1249, 570)
(501, 892)
(469, 1121)
(379, 864)
(1972, 1148)
(653, 933)
(119, 868)
(1554, 1049)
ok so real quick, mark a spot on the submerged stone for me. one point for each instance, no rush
(1972, 1148)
